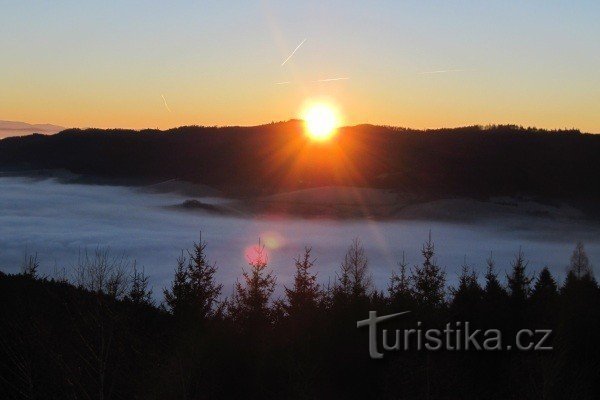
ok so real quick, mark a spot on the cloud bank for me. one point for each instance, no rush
(58, 220)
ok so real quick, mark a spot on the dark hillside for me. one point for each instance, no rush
(470, 161)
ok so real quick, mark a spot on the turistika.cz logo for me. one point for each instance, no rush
(456, 336)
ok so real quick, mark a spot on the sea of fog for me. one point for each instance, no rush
(58, 221)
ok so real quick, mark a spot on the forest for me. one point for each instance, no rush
(97, 330)
(475, 161)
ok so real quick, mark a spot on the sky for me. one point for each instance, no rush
(420, 64)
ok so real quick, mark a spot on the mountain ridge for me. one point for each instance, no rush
(18, 128)
(267, 159)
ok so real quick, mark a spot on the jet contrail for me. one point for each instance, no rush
(282, 83)
(442, 71)
(332, 79)
(295, 50)
(165, 101)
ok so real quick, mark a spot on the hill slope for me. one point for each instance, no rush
(267, 159)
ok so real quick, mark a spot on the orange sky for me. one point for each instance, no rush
(413, 64)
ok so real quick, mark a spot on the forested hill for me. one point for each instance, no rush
(470, 161)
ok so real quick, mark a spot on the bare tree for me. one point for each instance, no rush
(30, 265)
(103, 273)
(580, 263)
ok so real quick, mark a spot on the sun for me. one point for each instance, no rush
(321, 121)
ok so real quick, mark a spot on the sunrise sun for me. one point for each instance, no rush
(321, 121)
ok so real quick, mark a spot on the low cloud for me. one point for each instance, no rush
(59, 220)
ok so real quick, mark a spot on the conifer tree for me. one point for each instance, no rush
(194, 292)
(468, 294)
(354, 281)
(544, 299)
(429, 279)
(493, 288)
(519, 284)
(545, 287)
(251, 298)
(495, 297)
(305, 294)
(177, 297)
(204, 291)
(139, 293)
(399, 290)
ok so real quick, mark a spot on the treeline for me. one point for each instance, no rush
(100, 335)
(470, 161)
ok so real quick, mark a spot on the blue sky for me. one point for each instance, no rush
(106, 64)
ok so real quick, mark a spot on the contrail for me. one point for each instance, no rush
(320, 80)
(295, 50)
(442, 71)
(165, 101)
(332, 79)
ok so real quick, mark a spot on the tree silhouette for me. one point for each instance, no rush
(204, 291)
(354, 281)
(30, 265)
(250, 303)
(467, 296)
(194, 292)
(545, 286)
(139, 293)
(429, 280)
(118, 347)
(519, 284)
(399, 289)
(103, 273)
(580, 263)
(577, 336)
(304, 295)
(493, 288)
(178, 296)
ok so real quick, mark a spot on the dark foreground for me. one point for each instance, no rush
(100, 334)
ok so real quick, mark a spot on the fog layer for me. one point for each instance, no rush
(57, 221)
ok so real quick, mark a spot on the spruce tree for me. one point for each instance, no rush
(354, 281)
(204, 291)
(495, 297)
(251, 298)
(139, 293)
(194, 292)
(429, 280)
(399, 290)
(519, 284)
(305, 294)
(467, 296)
(178, 296)
(545, 286)
(544, 300)
(493, 288)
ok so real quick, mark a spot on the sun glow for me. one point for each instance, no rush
(321, 121)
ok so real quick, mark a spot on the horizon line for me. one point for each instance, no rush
(292, 120)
